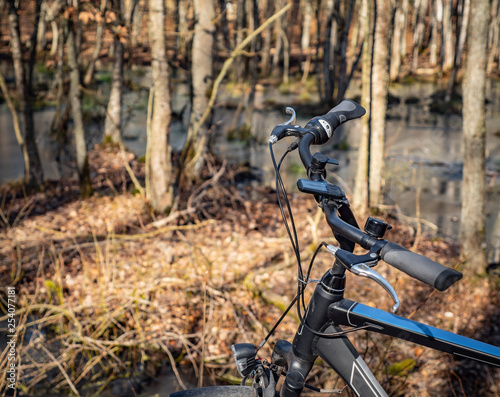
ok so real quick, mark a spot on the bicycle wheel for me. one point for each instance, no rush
(216, 391)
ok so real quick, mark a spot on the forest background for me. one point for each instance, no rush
(121, 261)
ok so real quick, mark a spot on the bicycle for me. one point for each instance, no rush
(320, 333)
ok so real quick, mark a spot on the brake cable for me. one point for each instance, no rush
(302, 281)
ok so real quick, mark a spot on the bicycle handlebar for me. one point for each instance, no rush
(320, 130)
(419, 266)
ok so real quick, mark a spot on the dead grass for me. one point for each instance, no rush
(107, 291)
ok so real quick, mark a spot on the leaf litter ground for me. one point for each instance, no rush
(108, 291)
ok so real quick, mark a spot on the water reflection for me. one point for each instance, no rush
(423, 151)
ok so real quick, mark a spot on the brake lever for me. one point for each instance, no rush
(363, 270)
(293, 118)
(289, 128)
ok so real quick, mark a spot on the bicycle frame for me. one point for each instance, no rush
(339, 353)
(328, 310)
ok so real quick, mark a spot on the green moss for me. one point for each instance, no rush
(295, 169)
(344, 145)
(402, 368)
(42, 68)
(270, 102)
(103, 76)
(244, 134)
(305, 97)
(286, 88)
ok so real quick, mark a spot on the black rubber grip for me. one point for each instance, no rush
(323, 127)
(344, 111)
(419, 267)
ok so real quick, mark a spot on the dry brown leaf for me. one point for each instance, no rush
(110, 16)
(85, 17)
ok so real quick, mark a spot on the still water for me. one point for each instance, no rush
(423, 151)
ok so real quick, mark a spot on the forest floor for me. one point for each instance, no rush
(108, 293)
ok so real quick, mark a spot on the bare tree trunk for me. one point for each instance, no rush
(306, 26)
(449, 43)
(224, 36)
(112, 125)
(202, 80)
(493, 36)
(436, 18)
(278, 28)
(98, 43)
(182, 28)
(41, 41)
(318, 63)
(24, 89)
(328, 81)
(56, 125)
(136, 39)
(397, 42)
(343, 81)
(419, 31)
(17, 127)
(82, 161)
(360, 200)
(51, 14)
(161, 194)
(472, 224)
(380, 79)
(266, 48)
(463, 22)
(286, 55)
(240, 25)
(405, 8)
(255, 47)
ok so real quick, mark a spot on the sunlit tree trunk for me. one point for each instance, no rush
(41, 40)
(182, 28)
(24, 89)
(52, 12)
(98, 43)
(419, 31)
(380, 77)
(448, 42)
(472, 224)
(161, 186)
(360, 200)
(202, 80)
(82, 161)
(112, 125)
(136, 39)
(436, 20)
(306, 26)
(398, 40)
